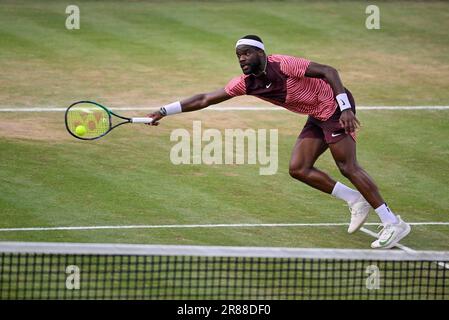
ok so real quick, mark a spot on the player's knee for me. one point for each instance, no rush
(299, 173)
(348, 169)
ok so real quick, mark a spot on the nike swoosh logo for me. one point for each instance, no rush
(386, 241)
(268, 85)
(335, 135)
(342, 102)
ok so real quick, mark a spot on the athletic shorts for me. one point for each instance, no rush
(329, 130)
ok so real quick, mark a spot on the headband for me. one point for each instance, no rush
(250, 42)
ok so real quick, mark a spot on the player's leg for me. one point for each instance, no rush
(344, 154)
(304, 155)
(309, 146)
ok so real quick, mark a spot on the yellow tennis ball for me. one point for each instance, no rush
(80, 130)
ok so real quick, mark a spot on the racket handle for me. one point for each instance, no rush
(141, 120)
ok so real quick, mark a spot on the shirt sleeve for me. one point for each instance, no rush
(293, 66)
(236, 86)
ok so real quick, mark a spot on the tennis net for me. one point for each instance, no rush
(121, 271)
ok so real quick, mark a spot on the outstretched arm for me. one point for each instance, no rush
(201, 101)
(347, 119)
(196, 102)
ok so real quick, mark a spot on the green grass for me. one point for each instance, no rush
(148, 53)
(127, 178)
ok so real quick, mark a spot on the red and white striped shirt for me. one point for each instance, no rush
(285, 85)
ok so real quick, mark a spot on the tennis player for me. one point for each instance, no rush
(310, 88)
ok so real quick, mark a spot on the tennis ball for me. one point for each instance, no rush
(80, 130)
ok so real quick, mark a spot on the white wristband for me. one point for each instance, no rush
(343, 101)
(171, 108)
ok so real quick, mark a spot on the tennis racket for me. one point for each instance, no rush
(88, 120)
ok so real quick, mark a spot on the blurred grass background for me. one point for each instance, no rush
(132, 53)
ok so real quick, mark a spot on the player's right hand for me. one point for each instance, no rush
(156, 117)
(348, 121)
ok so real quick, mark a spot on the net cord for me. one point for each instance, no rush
(220, 251)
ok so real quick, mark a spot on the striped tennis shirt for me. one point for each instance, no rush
(285, 85)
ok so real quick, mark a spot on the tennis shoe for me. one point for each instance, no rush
(359, 214)
(391, 234)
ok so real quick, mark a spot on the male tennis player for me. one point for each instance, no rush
(306, 87)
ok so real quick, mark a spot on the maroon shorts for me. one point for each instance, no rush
(329, 130)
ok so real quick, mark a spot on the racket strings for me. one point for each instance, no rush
(88, 121)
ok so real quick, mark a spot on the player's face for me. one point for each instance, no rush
(249, 59)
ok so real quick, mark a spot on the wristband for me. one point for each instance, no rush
(171, 108)
(343, 101)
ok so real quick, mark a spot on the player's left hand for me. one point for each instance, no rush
(348, 121)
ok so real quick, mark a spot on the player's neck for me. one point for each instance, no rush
(263, 71)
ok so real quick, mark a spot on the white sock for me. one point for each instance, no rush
(345, 193)
(386, 215)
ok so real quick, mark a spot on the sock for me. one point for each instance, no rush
(343, 192)
(386, 215)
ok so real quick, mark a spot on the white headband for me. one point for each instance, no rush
(250, 42)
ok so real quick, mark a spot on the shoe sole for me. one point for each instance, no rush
(398, 238)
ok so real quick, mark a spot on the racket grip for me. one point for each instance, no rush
(141, 120)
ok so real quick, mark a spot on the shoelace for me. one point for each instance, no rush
(354, 212)
(382, 227)
(384, 232)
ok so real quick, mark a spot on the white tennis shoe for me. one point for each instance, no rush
(391, 234)
(359, 214)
